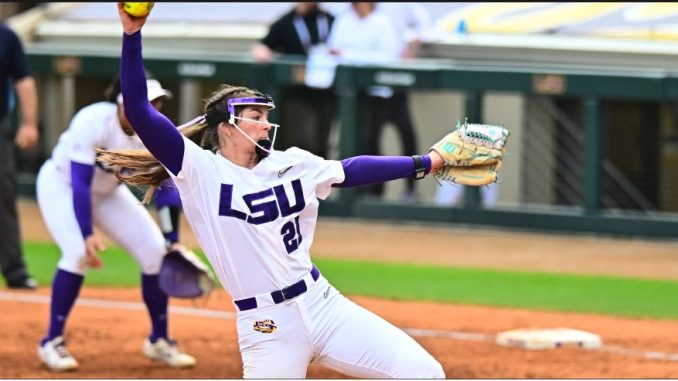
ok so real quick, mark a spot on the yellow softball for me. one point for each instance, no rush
(138, 9)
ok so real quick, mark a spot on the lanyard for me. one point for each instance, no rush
(303, 33)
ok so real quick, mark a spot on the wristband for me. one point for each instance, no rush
(419, 168)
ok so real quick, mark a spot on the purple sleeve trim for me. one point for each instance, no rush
(172, 237)
(168, 218)
(366, 170)
(168, 204)
(167, 195)
(81, 182)
(157, 132)
(427, 163)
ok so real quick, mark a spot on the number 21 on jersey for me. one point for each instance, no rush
(291, 235)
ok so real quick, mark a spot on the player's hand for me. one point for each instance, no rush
(27, 136)
(436, 161)
(130, 24)
(262, 54)
(93, 245)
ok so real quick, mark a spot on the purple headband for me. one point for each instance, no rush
(262, 101)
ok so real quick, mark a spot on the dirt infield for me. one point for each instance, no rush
(106, 335)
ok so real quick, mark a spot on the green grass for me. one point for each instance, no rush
(533, 290)
(577, 293)
(119, 270)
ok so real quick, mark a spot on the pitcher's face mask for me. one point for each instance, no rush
(263, 146)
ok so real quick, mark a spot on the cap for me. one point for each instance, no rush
(155, 91)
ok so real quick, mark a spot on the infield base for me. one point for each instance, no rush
(550, 338)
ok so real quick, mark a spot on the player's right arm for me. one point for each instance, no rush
(87, 130)
(157, 132)
(81, 183)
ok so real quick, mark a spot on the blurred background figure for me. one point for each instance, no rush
(450, 194)
(413, 24)
(15, 79)
(307, 111)
(367, 34)
(295, 32)
(361, 35)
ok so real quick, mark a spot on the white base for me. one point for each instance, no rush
(539, 339)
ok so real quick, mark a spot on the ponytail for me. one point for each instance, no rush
(140, 168)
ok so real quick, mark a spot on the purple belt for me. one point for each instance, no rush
(279, 296)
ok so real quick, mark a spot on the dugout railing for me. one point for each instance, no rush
(57, 70)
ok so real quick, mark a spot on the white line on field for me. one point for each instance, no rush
(448, 334)
(190, 311)
(112, 304)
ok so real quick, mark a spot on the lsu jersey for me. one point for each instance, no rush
(256, 225)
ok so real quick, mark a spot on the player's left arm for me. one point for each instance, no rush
(366, 170)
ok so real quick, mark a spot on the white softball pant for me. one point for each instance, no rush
(321, 326)
(117, 214)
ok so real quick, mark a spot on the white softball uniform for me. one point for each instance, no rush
(256, 227)
(115, 210)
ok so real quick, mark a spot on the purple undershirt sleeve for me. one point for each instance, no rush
(167, 195)
(366, 170)
(157, 132)
(81, 183)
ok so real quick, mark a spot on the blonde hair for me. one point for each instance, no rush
(140, 168)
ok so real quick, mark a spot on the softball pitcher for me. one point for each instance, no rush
(254, 210)
(74, 194)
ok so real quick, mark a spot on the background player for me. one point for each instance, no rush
(253, 210)
(74, 194)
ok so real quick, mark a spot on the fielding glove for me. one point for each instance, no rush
(184, 275)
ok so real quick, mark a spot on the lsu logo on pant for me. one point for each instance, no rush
(265, 326)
